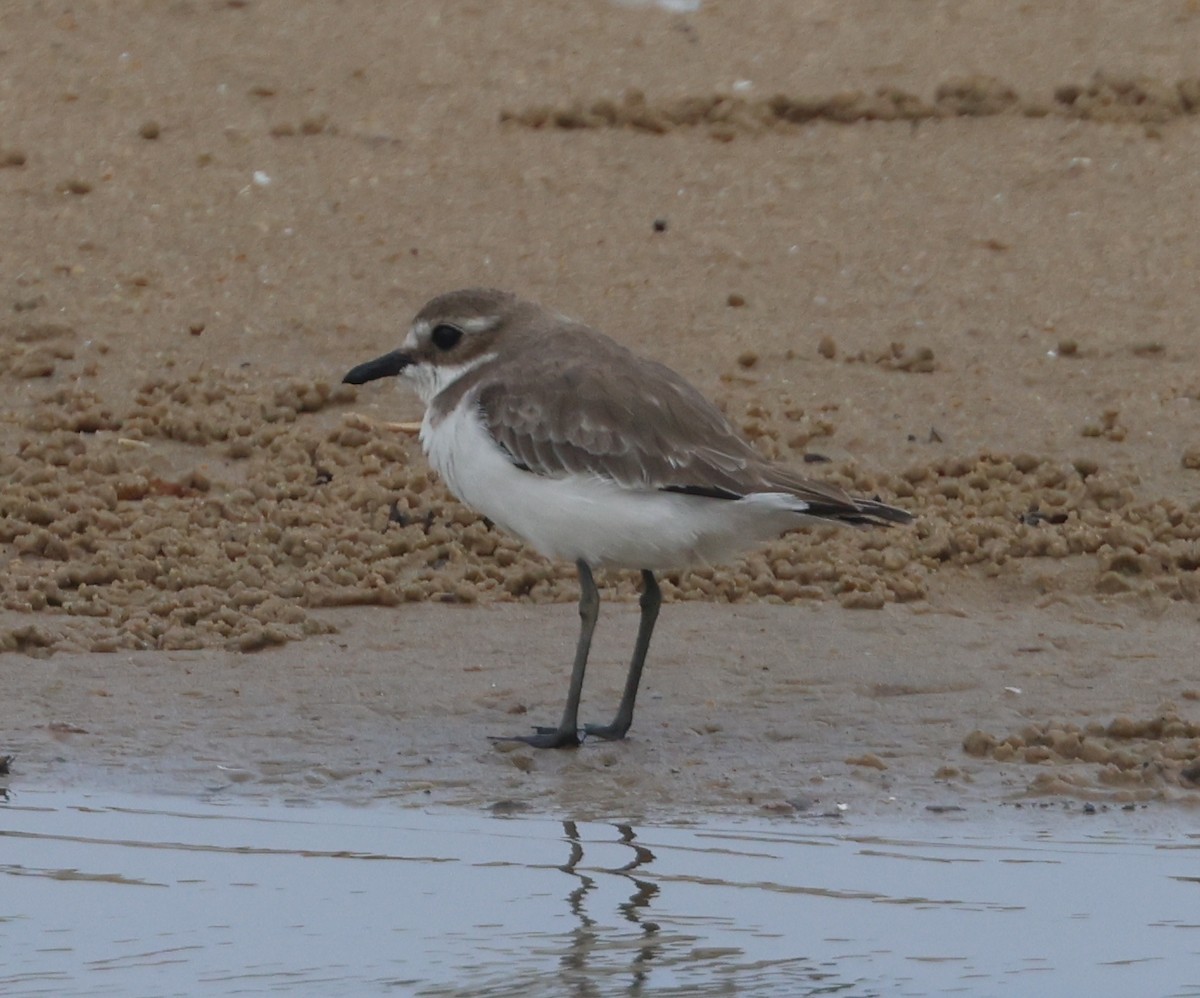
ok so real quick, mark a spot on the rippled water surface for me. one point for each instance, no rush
(159, 896)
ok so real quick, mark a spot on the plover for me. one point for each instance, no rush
(591, 454)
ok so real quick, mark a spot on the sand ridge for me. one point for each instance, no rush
(214, 513)
(1107, 97)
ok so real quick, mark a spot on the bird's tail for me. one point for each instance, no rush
(828, 502)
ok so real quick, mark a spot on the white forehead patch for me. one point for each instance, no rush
(417, 332)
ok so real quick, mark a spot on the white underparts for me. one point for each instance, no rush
(593, 518)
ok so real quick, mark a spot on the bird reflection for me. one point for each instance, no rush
(585, 936)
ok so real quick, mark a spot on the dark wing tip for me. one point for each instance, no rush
(707, 491)
(874, 512)
(859, 512)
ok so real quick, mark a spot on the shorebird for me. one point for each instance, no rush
(591, 454)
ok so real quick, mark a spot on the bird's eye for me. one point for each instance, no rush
(445, 336)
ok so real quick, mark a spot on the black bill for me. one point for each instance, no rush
(387, 366)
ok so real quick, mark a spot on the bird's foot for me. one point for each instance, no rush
(545, 738)
(607, 732)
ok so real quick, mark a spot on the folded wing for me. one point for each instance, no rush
(610, 414)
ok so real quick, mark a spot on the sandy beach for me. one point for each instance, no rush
(945, 254)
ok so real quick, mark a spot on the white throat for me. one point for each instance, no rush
(430, 380)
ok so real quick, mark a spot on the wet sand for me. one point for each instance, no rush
(794, 710)
(959, 275)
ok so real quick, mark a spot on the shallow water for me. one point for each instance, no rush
(104, 894)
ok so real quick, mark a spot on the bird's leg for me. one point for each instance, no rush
(566, 735)
(650, 601)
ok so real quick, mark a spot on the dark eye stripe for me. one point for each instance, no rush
(445, 336)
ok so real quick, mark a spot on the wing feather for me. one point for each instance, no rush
(610, 414)
(607, 413)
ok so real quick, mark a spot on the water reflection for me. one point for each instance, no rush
(586, 937)
(598, 957)
(100, 895)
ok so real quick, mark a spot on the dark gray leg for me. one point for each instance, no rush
(650, 602)
(566, 735)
